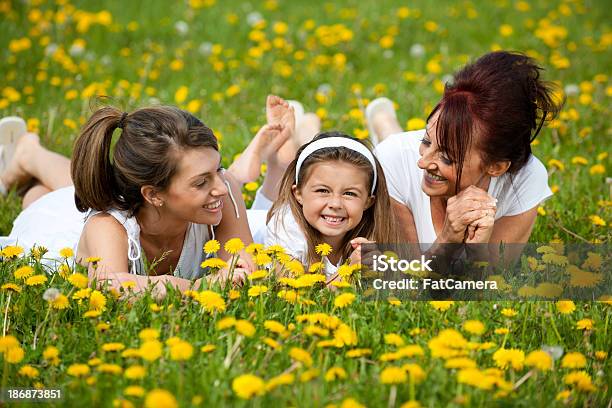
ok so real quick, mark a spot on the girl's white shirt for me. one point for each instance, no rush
(283, 230)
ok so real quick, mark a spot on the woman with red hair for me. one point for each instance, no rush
(470, 177)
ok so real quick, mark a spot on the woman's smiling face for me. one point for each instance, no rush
(440, 171)
(196, 191)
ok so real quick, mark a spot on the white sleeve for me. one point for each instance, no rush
(390, 156)
(529, 188)
(286, 233)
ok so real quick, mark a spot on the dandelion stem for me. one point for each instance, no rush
(8, 302)
(39, 328)
(554, 325)
(392, 396)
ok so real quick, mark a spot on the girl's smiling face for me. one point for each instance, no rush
(333, 197)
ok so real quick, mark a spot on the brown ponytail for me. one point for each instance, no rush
(146, 153)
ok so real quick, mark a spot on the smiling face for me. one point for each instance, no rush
(333, 197)
(440, 175)
(196, 191)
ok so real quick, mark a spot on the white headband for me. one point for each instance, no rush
(336, 142)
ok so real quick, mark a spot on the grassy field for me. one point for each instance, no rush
(219, 60)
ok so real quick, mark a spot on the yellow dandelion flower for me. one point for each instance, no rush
(597, 169)
(11, 287)
(393, 375)
(601, 355)
(211, 301)
(66, 253)
(323, 249)
(460, 363)
(335, 373)
(51, 354)
(78, 370)
(214, 263)
(506, 30)
(505, 358)
(23, 273)
(581, 380)
(565, 306)
(207, 348)
(150, 350)
(573, 360)
(212, 246)
(540, 360)
(134, 391)
(181, 94)
(11, 251)
(282, 379)
(258, 274)
(113, 347)
(271, 342)
(226, 323)
(584, 324)
(394, 339)
(60, 302)
(256, 290)
(441, 305)
(160, 398)
(247, 386)
(309, 375)
(356, 353)
(233, 246)
(97, 301)
(113, 369)
(36, 280)
(509, 312)
(474, 327)
(78, 280)
(344, 300)
(28, 371)
(597, 220)
(181, 351)
(301, 355)
(245, 328)
(415, 372)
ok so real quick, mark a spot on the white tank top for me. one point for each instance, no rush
(192, 254)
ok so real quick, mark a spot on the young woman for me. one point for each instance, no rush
(159, 198)
(470, 177)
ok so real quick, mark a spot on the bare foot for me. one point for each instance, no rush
(16, 174)
(385, 124)
(276, 107)
(286, 152)
(267, 141)
(309, 126)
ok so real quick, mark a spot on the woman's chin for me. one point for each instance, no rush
(208, 219)
(434, 190)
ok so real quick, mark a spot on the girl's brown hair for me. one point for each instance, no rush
(376, 224)
(147, 152)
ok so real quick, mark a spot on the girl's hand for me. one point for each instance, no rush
(223, 275)
(465, 208)
(357, 255)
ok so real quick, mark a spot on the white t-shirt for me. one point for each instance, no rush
(288, 234)
(398, 154)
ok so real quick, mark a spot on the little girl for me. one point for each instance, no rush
(333, 192)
